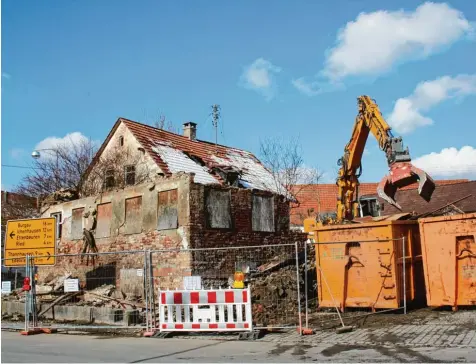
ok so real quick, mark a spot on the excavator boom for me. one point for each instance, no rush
(402, 172)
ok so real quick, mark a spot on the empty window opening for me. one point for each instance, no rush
(121, 141)
(109, 179)
(58, 225)
(130, 175)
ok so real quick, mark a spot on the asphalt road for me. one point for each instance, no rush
(58, 348)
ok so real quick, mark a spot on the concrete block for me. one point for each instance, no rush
(109, 316)
(13, 308)
(71, 313)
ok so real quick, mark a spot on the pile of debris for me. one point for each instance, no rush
(274, 289)
(51, 293)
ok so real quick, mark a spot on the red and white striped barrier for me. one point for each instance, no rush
(205, 310)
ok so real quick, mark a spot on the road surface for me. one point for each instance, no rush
(58, 348)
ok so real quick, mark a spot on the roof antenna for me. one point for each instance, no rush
(216, 117)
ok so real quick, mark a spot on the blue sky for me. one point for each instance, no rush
(276, 68)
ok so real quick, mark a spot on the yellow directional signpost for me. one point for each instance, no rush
(35, 237)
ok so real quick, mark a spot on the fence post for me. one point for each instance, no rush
(305, 283)
(404, 277)
(298, 290)
(152, 290)
(27, 294)
(146, 288)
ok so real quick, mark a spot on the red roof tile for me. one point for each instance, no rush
(174, 152)
(309, 196)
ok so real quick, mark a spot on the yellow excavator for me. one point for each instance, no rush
(402, 172)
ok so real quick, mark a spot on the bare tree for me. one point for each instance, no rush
(167, 125)
(283, 158)
(60, 169)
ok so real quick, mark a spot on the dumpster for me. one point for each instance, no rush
(449, 259)
(362, 265)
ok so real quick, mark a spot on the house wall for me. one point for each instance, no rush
(120, 226)
(241, 232)
(145, 165)
(139, 234)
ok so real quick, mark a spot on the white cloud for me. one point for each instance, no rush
(6, 75)
(407, 112)
(259, 76)
(450, 162)
(374, 42)
(69, 140)
(307, 88)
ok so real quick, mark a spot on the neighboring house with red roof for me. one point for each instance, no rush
(322, 198)
(163, 190)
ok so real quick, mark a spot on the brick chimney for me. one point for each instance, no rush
(190, 130)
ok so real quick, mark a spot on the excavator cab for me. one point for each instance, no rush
(403, 173)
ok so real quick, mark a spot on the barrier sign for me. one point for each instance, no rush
(35, 237)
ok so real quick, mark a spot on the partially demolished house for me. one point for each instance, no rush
(152, 189)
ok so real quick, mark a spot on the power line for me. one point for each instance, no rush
(13, 166)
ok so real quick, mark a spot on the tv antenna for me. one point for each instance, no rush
(215, 119)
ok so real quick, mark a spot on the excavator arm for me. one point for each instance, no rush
(402, 172)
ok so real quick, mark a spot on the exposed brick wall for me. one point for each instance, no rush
(170, 267)
(211, 264)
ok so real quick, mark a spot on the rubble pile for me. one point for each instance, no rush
(274, 289)
(51, 293)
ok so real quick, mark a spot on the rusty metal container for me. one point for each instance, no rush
(449, 259)
(362, 265)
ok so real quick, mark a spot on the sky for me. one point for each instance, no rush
(277, 68)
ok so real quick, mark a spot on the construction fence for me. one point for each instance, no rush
(303, 284)
(348, 281)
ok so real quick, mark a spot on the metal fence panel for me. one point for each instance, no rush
(271, 272)
(13, 299)
(101, 290)
(356, 279)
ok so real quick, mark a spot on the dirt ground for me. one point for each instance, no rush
(328, 320)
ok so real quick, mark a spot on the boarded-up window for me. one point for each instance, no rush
(218, 209)
(77, 223)
(167, 210)
(134, 215)
(103, 227)
(263, 213)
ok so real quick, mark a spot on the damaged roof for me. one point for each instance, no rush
(211, 163)
(457, 196)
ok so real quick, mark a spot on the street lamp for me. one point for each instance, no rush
(37, 155)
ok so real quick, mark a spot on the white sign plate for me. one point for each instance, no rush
(140, 272)
(192, 282)
(71, 285)
(7, 287)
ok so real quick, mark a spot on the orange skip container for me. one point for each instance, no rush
(449, 257)
(361, 265)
